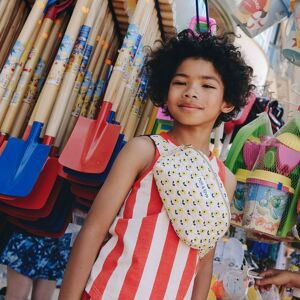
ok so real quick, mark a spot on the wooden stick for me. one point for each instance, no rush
(3, 4)
(17, 21)
(4, 104)
(84, 64)
(100, 85)
(88, 75)
(134, 80)
(70, 75)
(26, 76)
(81, 87)
(35, 15)
(124, 61)
(136, 110)
(96, 73)
(31, 93)
(9, 23)
(144, 119)
(55, 76)
(11, 6)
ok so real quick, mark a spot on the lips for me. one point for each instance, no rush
(190, 106)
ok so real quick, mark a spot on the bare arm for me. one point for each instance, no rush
(131, 161)
(203, 277)
(230, 184)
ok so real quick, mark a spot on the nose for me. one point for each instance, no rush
(191, 93)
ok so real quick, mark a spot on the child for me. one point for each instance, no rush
(200, 80)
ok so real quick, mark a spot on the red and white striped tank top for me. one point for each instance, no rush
(144, 258)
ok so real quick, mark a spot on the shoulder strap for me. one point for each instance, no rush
(163, 146)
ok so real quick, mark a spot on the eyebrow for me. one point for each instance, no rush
(201, 77)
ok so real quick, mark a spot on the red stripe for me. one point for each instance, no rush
(140, 255)
(187, 275)
(85, 296)
(165, 265)
(130, 202)
(155, 203)
(222, 171)
(110, 263)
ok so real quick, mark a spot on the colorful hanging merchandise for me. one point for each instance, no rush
(268, 187)
(255, 16)
(291, 49)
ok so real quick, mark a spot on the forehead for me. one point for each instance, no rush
(197, 67)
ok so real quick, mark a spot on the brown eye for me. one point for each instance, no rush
(179, 83)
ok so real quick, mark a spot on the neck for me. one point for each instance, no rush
(188, 135)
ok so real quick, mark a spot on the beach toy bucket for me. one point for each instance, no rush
(255, 16)
(238, 202)
(266, 199)
(291, 50)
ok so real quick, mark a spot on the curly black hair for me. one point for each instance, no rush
(219, 50)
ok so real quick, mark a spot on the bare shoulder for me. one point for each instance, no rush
(140, 151)
(230, 183)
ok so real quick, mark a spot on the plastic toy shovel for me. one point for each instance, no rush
(19, 173)
(22, 161)
(92, 142)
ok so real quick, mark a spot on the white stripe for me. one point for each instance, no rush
(153, 259)
(105, 251)
(177, 270)
(143, 197)
(115, 283)
(188, 295)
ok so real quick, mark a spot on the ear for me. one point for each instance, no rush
(227, 107)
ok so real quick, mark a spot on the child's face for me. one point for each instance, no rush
(196, 92)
